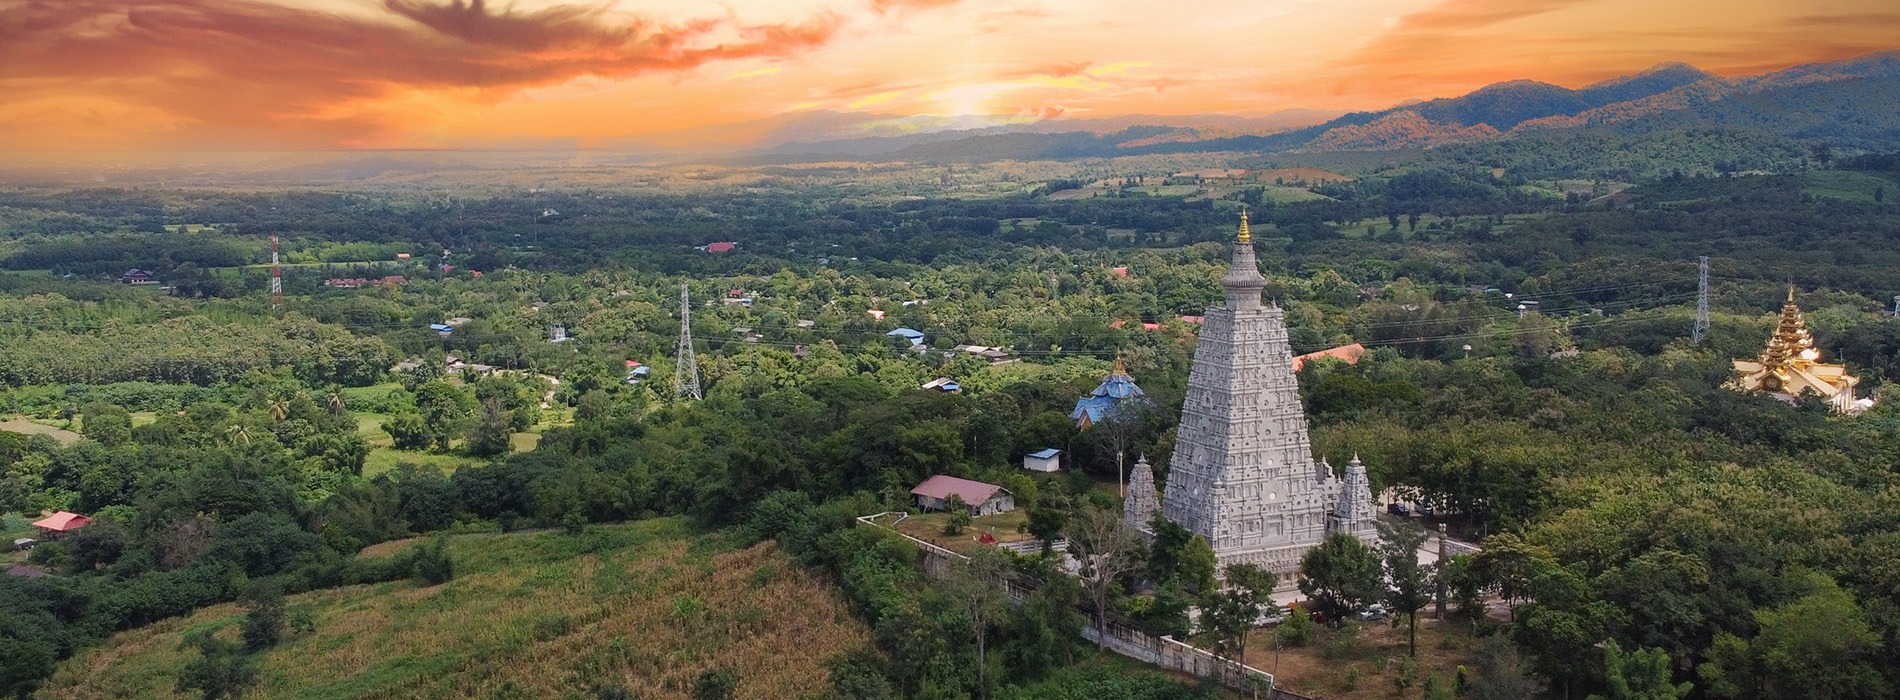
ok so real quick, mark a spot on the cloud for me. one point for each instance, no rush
(251, 68)
(887, 6)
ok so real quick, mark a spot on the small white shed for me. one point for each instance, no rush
(1047, 460)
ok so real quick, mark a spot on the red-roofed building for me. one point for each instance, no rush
(1349, 353)
(1193, 319)
(1149, 325)
(1119, 271)
(1117, 323)
(721, 247)
(58, 524)
(980, 498)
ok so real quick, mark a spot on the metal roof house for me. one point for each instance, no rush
(978, 497)
(916, 337)
(1045, 460)
(59, 524)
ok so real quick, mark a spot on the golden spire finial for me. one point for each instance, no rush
(1119, 367)
(1246, 236)
(1791, 292)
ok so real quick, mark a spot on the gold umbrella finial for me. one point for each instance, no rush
(1246, 236)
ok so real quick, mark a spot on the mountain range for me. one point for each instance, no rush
(1852, 104)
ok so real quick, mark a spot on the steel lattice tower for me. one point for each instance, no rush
(1702, 303)
(685, 367)
(276, 278)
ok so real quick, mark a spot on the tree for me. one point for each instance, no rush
(959, 515)
(443, 408)
(407, 431)
(264, 615)
(1459, 578)
(1409, 584)
(106, 423)
(1509, 563)
(1643, 674)
(1165, 552)
(975, 587)
(1340, 576)
(490, 437)
(1500, 672)
(1819, 646)
(1228, 615)
(22, 665)
(1197, 565)
(1117, 432)
(1106, 550)
(222, 669)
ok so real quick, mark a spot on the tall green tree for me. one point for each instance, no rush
(1341, 575)
(1229, 614)
(1642, 674)
(106, 423)
(1408, 583)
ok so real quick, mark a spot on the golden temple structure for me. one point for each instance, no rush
(1791, 366)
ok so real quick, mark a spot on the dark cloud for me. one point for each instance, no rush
(250, 67)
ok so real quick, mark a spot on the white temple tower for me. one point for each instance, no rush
(1242, 473)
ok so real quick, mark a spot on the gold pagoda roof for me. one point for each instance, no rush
(1790, 365)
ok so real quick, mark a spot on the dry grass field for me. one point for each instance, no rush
(646, 606)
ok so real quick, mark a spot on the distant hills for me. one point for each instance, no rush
(1852, 104)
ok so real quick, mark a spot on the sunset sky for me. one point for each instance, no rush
(239, 74)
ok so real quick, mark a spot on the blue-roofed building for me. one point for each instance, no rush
(916, 337)
(442, 328)
(1046, 460)
(1116, 393)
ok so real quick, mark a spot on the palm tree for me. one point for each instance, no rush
(279, 409)
(237, 433)
(337, 401)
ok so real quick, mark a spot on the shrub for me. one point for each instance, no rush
(716, 683)
(1297, 631)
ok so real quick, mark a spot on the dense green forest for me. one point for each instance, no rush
(1621, 495)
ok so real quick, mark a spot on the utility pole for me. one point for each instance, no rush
(276, 278)
(1896, 306)
(1702, 303)
(1438, 582)
(685, 367)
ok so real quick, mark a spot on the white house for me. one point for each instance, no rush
(1047, 460)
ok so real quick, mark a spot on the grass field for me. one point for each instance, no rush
(1848, 185)
(28, 427)
(1365, 668)
(383, 456)
(645, 606)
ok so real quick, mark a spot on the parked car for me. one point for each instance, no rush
(1398, 509)
(1426, 509)
(24, 543)
(1271, 616)
(1374, 611)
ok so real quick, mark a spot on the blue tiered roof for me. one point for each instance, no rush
(1107, 398)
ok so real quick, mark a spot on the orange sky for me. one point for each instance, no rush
(107, 74)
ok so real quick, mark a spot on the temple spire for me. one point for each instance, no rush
(1243, 281)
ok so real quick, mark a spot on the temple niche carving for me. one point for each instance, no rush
(1242, 474)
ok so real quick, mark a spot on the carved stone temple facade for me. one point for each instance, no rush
(1243, 474)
